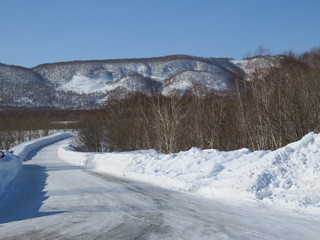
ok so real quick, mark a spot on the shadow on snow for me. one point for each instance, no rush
(25, 196)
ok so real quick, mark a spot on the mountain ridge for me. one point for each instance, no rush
(86, 84)
(123, 60)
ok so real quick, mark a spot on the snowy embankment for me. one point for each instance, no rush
(288, 177)
(11, 164)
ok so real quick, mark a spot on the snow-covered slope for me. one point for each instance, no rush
(159, 69)
(23, 87)
(178, 74)
(288, 177)
(88, 84)
(197, 83)
(259, 63)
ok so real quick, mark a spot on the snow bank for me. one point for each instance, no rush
(288, 177)
(23, 149)
(11, 164)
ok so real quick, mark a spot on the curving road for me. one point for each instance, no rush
(54, 200)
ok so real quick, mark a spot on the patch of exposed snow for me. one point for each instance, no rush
(82, 84)
(24, 100)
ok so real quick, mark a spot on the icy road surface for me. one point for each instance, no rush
(55, 200)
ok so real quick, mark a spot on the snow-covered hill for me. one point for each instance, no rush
(163, 75)
(21, 86)
(88, 84)
(260, 63)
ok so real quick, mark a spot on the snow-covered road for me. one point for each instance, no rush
(55, 200)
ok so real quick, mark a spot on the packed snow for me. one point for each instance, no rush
(287, 178)
(11, 164)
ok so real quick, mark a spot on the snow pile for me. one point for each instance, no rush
(288, 177)
(290, 174)
(11, 164)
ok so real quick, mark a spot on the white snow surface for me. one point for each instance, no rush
(11, 164)
(82, 84)
(287, 178)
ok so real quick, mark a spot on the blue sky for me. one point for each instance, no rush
(40, 31)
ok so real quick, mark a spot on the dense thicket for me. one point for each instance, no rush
(275, 107)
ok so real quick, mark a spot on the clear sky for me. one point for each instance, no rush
(40, 31)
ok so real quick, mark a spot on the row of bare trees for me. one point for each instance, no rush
(18, 126)
(274, 108)
(168, 124)
(283, 104)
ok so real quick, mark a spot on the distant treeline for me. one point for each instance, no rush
(274, 108)
(21, 125)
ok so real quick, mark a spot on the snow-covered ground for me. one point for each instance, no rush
(52, 199)
(11, 164)
(287, 178)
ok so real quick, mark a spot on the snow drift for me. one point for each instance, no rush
(11, 164)
(288, 177)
